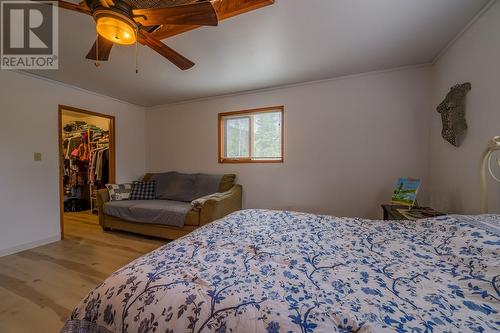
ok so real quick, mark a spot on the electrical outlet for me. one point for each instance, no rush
(37, 157)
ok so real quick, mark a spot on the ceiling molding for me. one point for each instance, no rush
(67, 85)
(293, 85)
(464, 30)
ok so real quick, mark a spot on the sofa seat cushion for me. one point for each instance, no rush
(165, 212)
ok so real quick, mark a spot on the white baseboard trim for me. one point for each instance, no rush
(30, 245)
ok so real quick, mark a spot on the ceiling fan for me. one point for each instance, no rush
(125, 22)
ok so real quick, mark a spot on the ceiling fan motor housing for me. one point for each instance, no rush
(115, 23)
(118, 5)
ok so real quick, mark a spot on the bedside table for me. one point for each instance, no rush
(391, 212)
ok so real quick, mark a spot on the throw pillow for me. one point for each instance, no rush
(143, 190)
(119, 192)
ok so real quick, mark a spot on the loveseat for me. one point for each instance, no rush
(133, 215)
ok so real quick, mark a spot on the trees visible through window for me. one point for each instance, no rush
(251, 136)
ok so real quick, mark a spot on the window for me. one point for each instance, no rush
(251, 136)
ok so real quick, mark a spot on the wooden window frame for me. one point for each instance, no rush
(221, 135)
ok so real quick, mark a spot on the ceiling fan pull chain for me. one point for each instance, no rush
(97, 52)
(136, 53)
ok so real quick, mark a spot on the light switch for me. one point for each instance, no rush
(38, 157)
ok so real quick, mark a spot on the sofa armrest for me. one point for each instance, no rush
(102, 197)
(221, 205)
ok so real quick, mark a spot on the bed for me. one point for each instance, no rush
(277, 271)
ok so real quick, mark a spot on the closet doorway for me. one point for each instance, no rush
(86, 162)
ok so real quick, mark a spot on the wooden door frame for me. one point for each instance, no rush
(112, 152)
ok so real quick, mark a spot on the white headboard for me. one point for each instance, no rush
(493, 145)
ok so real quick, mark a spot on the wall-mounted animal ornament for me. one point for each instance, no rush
(452, 111)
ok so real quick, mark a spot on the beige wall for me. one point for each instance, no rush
(29, 196)
(475, 58)
(346, 142)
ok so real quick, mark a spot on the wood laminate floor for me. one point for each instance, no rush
(40, 287)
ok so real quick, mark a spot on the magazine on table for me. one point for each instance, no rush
(405, 191)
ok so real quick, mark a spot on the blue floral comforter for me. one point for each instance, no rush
(276, 271)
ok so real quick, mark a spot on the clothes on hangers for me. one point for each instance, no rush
(86, 164)
(92, 168)
(83, 152)
(77, 173)
(105, 166)
(100, 165)
(70, 144)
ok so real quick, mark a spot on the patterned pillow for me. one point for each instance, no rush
(119, 192)
(143, 190)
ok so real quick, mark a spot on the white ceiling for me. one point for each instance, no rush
(290, 42)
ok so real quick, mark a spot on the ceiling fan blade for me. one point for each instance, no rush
(83, 4)
(200, 13)
(81, 8)
(224, 8)
(107, 3)
(104, 50)
(145, 38)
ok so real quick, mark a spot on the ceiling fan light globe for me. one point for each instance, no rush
(115, 28)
